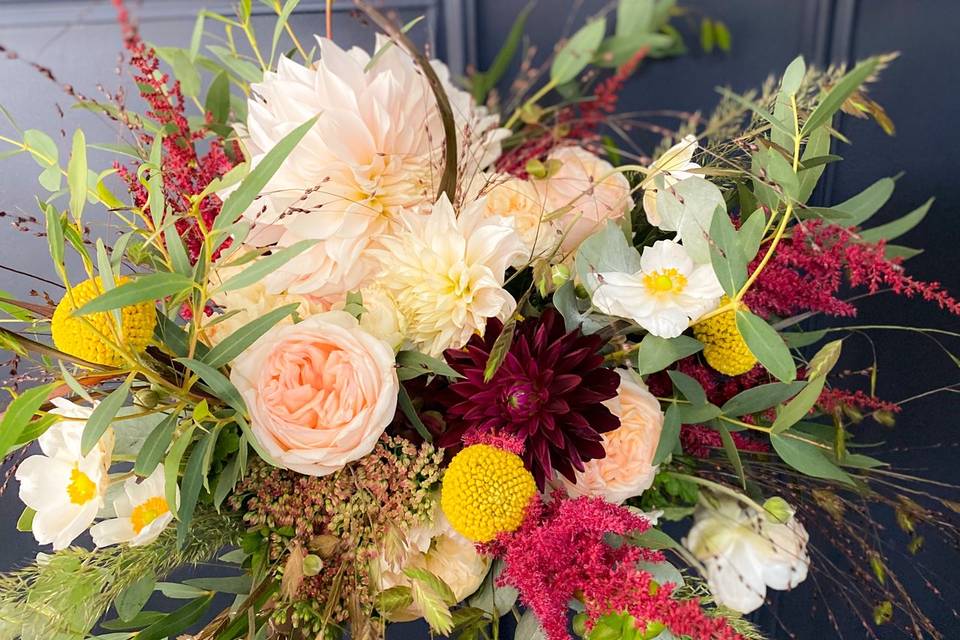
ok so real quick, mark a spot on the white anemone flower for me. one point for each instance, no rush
(674, 165)
(375, 154)
(63, 486)
(745, 552)
(668, 292)
(142, 513)
(446, 273)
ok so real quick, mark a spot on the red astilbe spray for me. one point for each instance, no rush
(185, 172)
(578, 122)
(809, 267)
(560, 552)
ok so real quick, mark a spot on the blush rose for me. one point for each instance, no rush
(320, 393)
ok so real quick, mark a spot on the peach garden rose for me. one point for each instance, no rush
(628, 469)
(320, 393)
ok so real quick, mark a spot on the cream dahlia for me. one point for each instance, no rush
(446, 273)
(375, 153)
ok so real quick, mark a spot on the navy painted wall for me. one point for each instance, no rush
(919, 92)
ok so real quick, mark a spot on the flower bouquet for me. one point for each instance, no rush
(381, 346)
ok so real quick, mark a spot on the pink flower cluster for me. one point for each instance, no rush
(562, 552)
(808, 267)
(185, 172)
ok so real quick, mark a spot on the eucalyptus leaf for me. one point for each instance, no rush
(605, 251)
(149, 287)
(766, 345)
(726, 254)
(656, 353)
(760, 398)
(689, 208)
(155, 446)
(835, 97)
(808, 459)
(669, 436)
(102, 416)
(798, 408)
(577, 53)
(20, 411)
(793, 76)
(238, 341)
(255, 181)
(132, 599)
(77, 175)
(860, 207)
(266, 265)
(218, 383)
(180, 620)
(898, 227)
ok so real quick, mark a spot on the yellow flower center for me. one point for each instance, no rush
(666, 281)
(81, 488)
(485, 492)
(145, 513)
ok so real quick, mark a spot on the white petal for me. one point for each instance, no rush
(113, 531)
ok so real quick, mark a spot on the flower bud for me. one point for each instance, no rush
(778, 510)
(146, 398)
(312, 565)
(559, 273)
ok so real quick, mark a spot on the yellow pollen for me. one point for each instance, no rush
(666, 281)
(145, 513)
(81, 488)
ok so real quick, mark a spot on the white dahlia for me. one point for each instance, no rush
(446, 273)
(375, 153)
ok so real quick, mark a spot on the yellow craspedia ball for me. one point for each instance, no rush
(486, 491)
(723, 347)
(83, 336)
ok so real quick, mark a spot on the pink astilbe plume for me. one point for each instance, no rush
(186, 173)
(561, 552)
(808, 269)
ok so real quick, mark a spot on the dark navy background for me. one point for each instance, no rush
(78, 40)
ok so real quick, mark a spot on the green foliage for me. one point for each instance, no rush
(577, 53)
(482, 82)
(21, 410)
(656, 354)
(103, 415)
(604, 251)
(766, 345)
(65, 595)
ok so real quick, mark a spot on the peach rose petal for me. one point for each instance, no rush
(320, 393)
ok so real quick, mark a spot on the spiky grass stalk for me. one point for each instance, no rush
(65, 593)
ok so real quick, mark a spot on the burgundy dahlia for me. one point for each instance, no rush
(548, 392)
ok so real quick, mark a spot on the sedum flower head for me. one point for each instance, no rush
(446, 273)
(723, 346)
(486, 491)
(86, 336)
